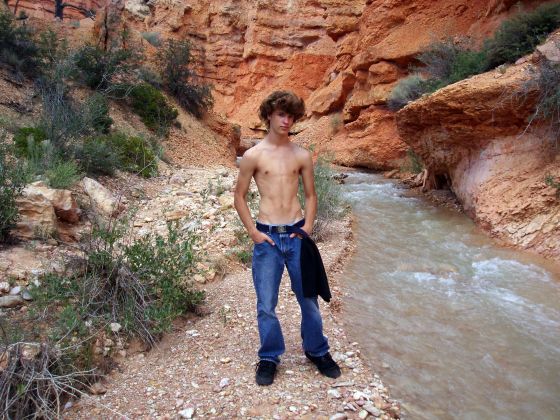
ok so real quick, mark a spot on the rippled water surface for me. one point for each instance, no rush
(458, 327)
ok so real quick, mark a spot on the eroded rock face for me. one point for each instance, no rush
(340, 55)
(474, 136)
(46, 212)
(45, 9)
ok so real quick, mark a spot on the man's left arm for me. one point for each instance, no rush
(308, 179)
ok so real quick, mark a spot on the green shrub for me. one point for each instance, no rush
(96, 113)
(152, 107)
(551, 182)
(164, 263)
(135, 154)
(447, 62)
(97, 157)
(179, 80)
(28, 138)
(407, 90)
(330, 203)
(11, 186)
(63, 174)
(99, 69)
(520, 35)
(18, 49)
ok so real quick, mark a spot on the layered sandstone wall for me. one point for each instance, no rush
(45, 9)
(475, 135)
(342, 56)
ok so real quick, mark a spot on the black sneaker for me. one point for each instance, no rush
(326, 365)
(265, 372)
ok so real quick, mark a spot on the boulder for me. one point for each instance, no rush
(102, 200)
(332, 97)
(37, 215)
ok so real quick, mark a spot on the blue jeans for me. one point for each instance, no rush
(268, 267)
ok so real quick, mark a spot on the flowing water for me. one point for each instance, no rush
(458, 327)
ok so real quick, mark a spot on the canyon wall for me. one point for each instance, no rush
(45, 9)
(478, 137)
(342, 56)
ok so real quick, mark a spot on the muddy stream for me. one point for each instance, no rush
(458, 327)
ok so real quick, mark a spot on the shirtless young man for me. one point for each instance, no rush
(276, 165)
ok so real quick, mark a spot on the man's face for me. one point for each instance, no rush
(281, 121)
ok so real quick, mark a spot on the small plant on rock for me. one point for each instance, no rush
(407, 90)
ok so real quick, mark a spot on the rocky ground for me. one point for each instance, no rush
(205, 367)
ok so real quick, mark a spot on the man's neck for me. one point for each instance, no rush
(277, 139)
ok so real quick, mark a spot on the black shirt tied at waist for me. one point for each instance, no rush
(314, 277)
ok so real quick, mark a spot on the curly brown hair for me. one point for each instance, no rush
(283, 100)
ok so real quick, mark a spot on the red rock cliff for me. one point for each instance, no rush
(474, 135)
(342, 56)
(45, 9)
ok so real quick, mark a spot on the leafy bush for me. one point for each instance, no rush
(152, 107)
(18, 49)
(179, 80)
(330, 203)
(96, 113)
(163, 263)
(407, 90)
(63, 174)
(11, 186)
(520, 35)
(449, 61)
(97, 157)
(99, 69)
(28, 138)
(135, 154)
(143, 285)
(101, 155)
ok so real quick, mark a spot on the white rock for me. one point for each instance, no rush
(224, 382)
(334, 393)
(102, 200)
(115, 327)
(363, 414)
(16, 290)
(187, 413)
(373, 410)
(339, 416)
(4, 287)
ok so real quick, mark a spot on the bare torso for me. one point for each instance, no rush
(277, 174)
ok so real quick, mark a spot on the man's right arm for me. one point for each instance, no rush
(247, 168)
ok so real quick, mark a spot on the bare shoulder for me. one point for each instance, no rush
(300, 152)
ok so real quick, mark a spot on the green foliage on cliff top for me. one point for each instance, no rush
(449, 61)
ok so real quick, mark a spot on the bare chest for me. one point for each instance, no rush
(278, 168)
